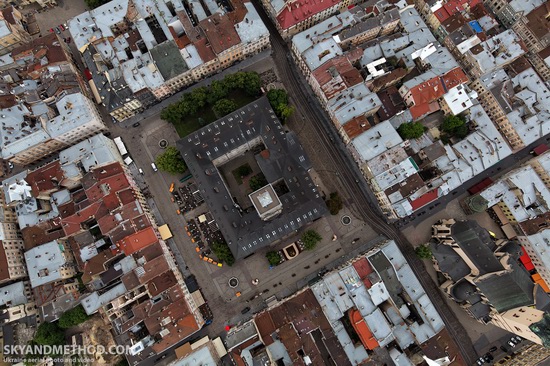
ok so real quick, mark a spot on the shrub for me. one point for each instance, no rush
(274, 258)
(73, 317)
(335, 203)
(424, 251)
(310, 239)
(223, 253)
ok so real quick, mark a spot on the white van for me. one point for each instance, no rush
(154, 167)
(140, 171)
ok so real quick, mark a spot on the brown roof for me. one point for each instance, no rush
(356, 126)
(4, 273)
(336, 75)
(520, 64)
(41, 233)
(538, 22)
(454, 22)
(297, 319)
(539, 223)
(545, 52)
(220, 32)
(45, 179)
(205, 50)
(407, 187)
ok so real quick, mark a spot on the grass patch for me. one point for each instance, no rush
(241, 172)
(206, 115)
(257, 182)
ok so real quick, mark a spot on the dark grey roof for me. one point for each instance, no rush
(114, 93)
(509, 289)
(216, 144)
(477, 244)
(542, 299)
(168, 60)
(449, 261)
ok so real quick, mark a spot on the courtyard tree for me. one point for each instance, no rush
(423, 251)
(171, 161)
(278, 98)
(256, 182)
(274, 258)
(310, 239)
(411, 130)
(455, 126)
(334, 203)
(49, 334)
(73, 317)
(224, 106)
(223, 253)
(217, 90)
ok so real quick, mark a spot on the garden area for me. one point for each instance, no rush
(308, 241)
(206, 104)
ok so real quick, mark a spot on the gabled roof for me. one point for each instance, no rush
(300, 10)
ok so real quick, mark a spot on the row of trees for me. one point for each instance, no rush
(452, 126)
(213, 95)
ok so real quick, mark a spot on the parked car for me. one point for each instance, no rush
(518, 338)
(140, 171)
(154, 166)
(513, 339)
(245, 310)
(136, 124)
(488, 357)
(493, 349)
(57, 30)
(504, 349)
(480, 361)
(511, 344)
(61, 27)
(51, 30)
(68, 39)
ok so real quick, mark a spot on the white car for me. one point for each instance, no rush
(511, 344)
(153, 165)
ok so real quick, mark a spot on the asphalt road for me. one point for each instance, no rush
(353, 184)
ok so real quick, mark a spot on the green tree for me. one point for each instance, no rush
(171, 113)
(424, 251)
(73, 317)
(251, 83)
(223, 253)
(284, 111)
(49, 334)
(412, 130)
(216, 91)
(171, 161)
(310, 239)
(274, 258)
(256, 182)
(199, 96)
(223, 107)
(277, 97)
(455, 126)
(334, 203)
(244, 170)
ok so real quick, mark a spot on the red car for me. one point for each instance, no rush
(62, 27)
(51, 30)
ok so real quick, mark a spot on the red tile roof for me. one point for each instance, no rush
(45, 179)
(220, 32)
(421, 110)
(137, 241)
(453, 6)
(424, 199)
(454, 78)
(300, 10)
(336, 75)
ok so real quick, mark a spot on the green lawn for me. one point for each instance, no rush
(191, 123)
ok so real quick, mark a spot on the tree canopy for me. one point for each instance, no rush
(274, 258)
(49, 334)
(334, 203)
(223, 253)
(424, 251)
(411, 130)
(455, 126)
(223, 107)
(171, 161)
(310, 239)
(73, 317)
(278, 98)
(192, 102)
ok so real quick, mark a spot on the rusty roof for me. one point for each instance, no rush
(137, 241)
(45, 179)
(220, 32)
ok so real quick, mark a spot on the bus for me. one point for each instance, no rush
(120, 145)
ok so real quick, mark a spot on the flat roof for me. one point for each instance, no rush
(13, 295)
(218, 142)
(376, 140)
(44, 263)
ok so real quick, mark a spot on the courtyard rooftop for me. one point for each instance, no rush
(282, 157)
